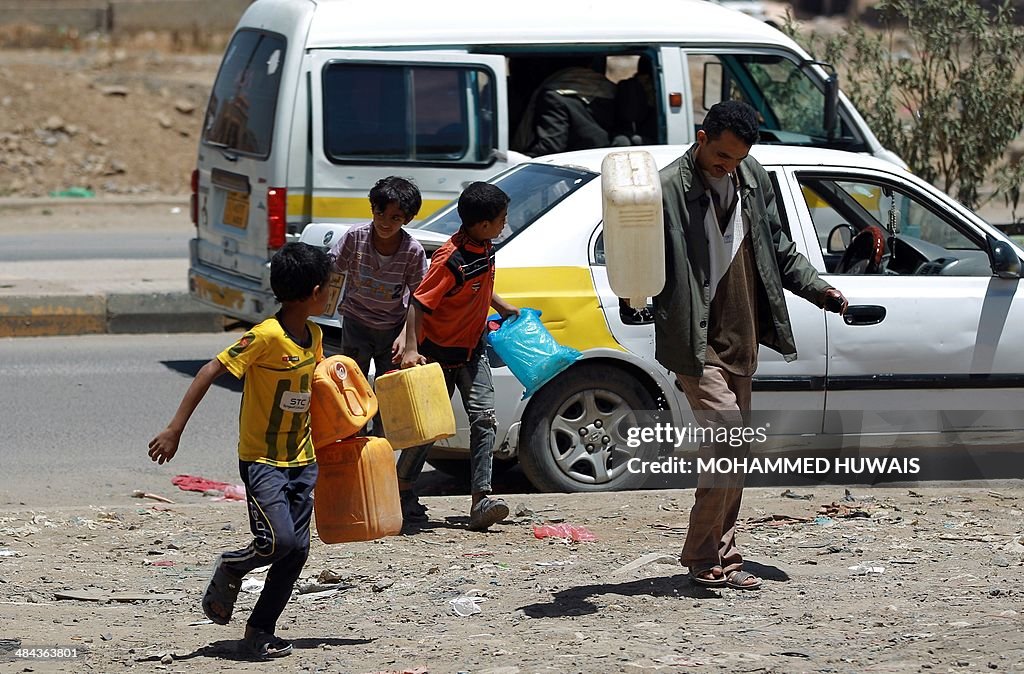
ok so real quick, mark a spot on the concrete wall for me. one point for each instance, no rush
(125, 15)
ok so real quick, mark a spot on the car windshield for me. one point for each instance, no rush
(533, 189)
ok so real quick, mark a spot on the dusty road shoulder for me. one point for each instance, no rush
(935, 586)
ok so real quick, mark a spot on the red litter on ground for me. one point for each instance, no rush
(569, 531)
(230, 492)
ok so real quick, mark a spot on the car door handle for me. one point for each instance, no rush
(864, 314)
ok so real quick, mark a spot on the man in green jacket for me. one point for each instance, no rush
(727, 262)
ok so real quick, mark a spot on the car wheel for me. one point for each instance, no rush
(576, 429)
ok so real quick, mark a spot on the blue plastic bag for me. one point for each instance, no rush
(530, 351)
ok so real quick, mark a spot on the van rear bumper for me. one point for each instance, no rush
(232, 295)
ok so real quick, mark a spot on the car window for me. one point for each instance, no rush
(533, 189)
(408, 113)
(915, 229)
(240, 115)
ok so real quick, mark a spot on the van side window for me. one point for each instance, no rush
(408, 113)
(240, 115)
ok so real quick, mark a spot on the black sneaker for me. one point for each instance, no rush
(486, 512)
(412, 510)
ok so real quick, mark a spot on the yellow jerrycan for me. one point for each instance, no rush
(341, 401)
(356, 494)
(414, 406)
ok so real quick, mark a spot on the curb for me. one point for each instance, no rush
(114, 313)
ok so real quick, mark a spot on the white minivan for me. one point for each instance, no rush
(315, 100)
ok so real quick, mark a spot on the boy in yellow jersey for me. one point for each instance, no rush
(276, 460)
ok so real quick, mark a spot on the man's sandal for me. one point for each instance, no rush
(221, 594)
(737, 580)
(700, 578)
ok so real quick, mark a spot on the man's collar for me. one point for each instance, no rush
(698, 187)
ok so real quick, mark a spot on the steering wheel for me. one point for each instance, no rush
(864, 254)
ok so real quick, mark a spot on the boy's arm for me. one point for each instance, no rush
(163, 447)
(412, 355)
(503, 308)
(398, 347)
(415, 272)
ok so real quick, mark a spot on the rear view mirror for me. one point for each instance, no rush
(1005, 263)
(839, 239)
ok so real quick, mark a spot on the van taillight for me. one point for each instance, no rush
(277, 198)
(193, 202)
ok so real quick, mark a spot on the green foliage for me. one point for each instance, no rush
(941, 85)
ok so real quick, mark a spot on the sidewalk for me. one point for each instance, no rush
(81, 297)
(96, 296)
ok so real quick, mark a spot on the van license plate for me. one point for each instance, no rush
(236, 209)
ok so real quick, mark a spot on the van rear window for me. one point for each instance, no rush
(408, 113)
(240, 116)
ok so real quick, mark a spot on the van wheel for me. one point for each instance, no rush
(576, 430)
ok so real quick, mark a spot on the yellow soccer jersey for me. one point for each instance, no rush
(273, 423)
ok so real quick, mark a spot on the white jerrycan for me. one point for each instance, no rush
(634, 228)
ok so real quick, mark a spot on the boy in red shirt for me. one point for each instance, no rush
(446, 325)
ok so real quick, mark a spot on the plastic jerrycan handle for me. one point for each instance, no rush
(351, 396)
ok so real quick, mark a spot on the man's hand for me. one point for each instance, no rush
(835, 301)
(164, 446)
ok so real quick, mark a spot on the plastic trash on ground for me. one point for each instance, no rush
(222, 490)
(569, 531)
(73, 193)
(252, 585)
(467, 604)
(530, 351)
(866, 569)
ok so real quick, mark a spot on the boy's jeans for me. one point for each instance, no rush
(362, 344)
(477, 389)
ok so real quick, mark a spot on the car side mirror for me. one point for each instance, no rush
(839, 239)
(1005, 262)
(831, 105)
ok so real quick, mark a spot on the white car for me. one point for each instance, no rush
(928, 355)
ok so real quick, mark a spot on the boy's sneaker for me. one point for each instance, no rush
(412, 510)
(486, 512)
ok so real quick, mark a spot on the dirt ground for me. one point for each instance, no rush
(109, 119)
(941, 591)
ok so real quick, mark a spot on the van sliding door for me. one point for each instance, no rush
(435, 117)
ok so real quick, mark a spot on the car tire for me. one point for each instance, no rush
(575, 408)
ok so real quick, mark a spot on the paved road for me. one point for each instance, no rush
(79, 412)
(79, 245)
